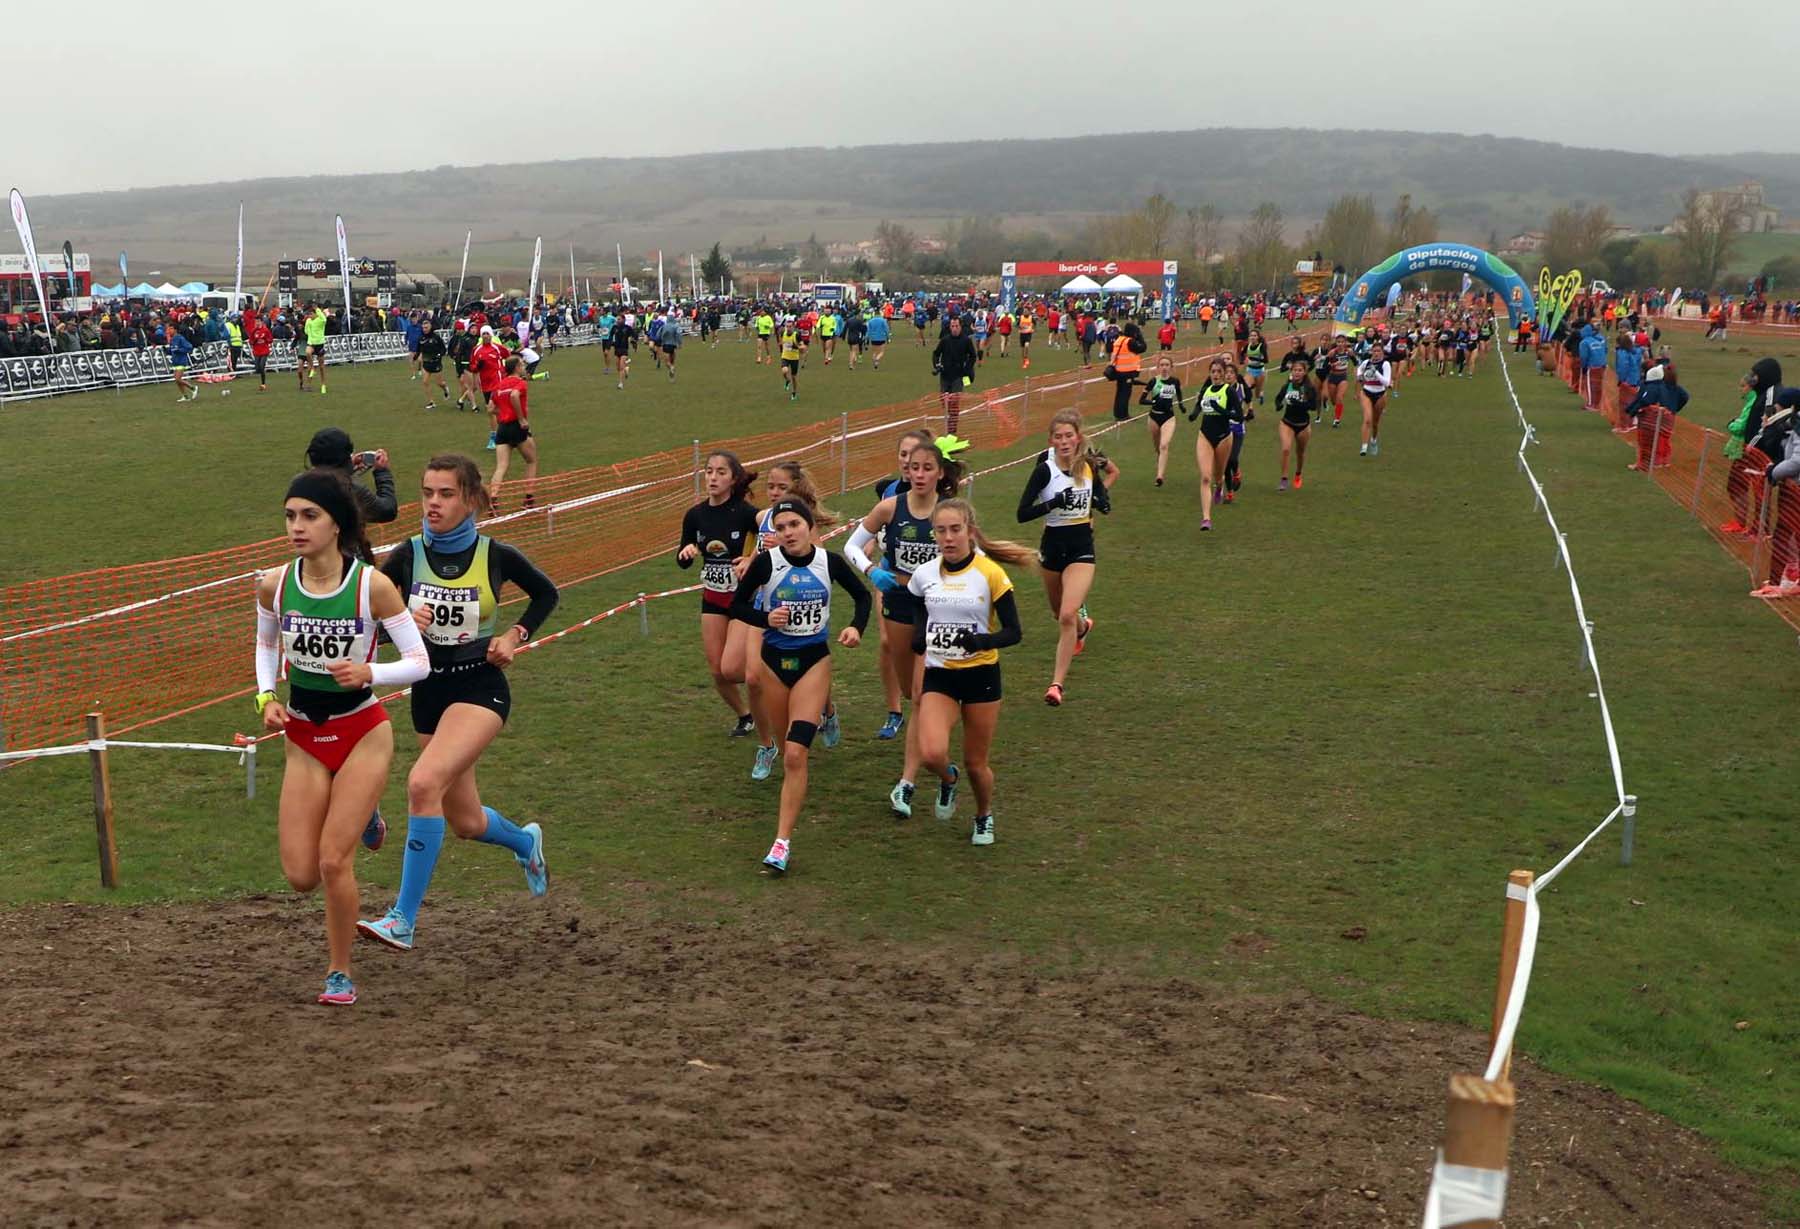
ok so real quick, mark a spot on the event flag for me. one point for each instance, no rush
(69, 269)
(22, 220)
(1393, 296)
(537, 260)
(124, 278)
(1467, 282)
(463, 276)
(344, 268)
(237, 288)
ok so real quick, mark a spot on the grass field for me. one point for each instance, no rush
(1352, 708)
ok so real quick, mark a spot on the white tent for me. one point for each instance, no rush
(1124, 284)
(1082, 284)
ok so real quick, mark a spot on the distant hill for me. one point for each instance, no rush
(1478, 184)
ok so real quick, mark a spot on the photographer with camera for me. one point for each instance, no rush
(331, 449)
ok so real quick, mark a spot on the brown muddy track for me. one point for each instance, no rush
(538, 1066)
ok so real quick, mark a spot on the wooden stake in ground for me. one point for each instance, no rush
(1478, 1124)
(1518, 887)
(103, 803)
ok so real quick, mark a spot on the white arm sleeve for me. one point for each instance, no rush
(855, 550)
(268, 649)
(413, 664)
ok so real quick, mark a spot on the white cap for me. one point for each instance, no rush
(488, 329)
(1655, 373)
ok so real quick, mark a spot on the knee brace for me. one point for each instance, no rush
(802, 732)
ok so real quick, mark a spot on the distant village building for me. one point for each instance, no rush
(1524, 243)
(1745, 205)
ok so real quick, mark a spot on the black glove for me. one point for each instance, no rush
(972, 642)
(1065, 498)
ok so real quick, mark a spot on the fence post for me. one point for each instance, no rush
(643, 614)
(1518, 889)
(844, 453)
(1629, 830)
(1764, 527)
(1700, 472)
(550, 520)
(103, 801)
(250, 770)
(1478, 1123)
(696, 469)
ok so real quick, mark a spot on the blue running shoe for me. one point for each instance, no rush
(339, 990)
(765, 763)
(900, 800)
(375, 832)
(830, 732)
(946, 799)
(777, 859)
(392, 930)
(537, 871)
(891, 727)
(492, 442)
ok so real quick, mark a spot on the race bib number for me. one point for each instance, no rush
(1081, 499)
(718, 577)
(911, 556)
(316, 645)
(455, 613)
(941, 639)
(805, 618)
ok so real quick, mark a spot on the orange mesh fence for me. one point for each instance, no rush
(154, 640)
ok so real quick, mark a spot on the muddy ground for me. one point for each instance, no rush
(164, 1065)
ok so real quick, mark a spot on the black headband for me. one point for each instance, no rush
(330, 494)
(796, 506)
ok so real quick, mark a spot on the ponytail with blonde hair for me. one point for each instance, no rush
(801, 487)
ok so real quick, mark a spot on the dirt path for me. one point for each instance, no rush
(554, 1066)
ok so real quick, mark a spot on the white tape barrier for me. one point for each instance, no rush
(104, 744)
(1457, 1193)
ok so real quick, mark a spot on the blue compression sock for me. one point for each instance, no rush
(502, 831)
(424, 837)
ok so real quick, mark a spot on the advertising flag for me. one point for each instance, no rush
(237, 287)
(463, 276)
(344, 268)
(69, 268)
(22, 221)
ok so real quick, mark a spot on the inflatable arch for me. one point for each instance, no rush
(1371, 288)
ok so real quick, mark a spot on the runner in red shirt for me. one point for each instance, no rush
(484, 365)
(1165, 336)
(260, 341)
(512, 396)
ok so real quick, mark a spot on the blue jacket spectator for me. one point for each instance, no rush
(1656, 392)
(878, 330)
(215, 327)
(181, 351)
(1592, 350)
(1628, 361)
(413, 332)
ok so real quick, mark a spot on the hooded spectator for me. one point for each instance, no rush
(331, 449)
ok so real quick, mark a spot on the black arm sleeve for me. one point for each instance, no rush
(743, 607)
(1010, 633)
(507, 563)
(688, 525)
(397, 567)
(918, 632)
(1102, 499)
(1029, 507)
(385, 507)
(1180, 397)
(846, 579)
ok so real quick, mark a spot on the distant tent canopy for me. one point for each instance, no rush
(1124, 284)
(143, 290)
(1081, 284)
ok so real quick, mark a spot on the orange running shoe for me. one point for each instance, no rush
(1296, 482)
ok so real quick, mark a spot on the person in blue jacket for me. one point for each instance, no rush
(413, 332)
(1591, 353)
(181, 354)
(878, 336)
(1628, 365)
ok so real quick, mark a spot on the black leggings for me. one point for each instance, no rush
(1237, 446)
(1123, 383)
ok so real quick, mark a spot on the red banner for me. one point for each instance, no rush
(1092, 268)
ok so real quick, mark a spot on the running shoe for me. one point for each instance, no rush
(1728, 526)
(765, 763)
(746, 725)
(946, 799)
(1229, 497)
(892, 726)
(1283, 485)
(777, 858)
(1363, 451)
(1206, 524)
(393, 930)
(1296, 482)
(984, 831)
(537, 871)
(339, 990)
(1083, 630)
(1053, 695)
(830, 732)
(374, 832)
(431, 405)
(1374, 448)
(1159, 482)
(900, 800)
(492, 444)
(1336, 423)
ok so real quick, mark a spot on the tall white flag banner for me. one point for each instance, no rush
(574, 285)
(22, 220)
(537, 260)
(238, 287)
(463, 276)
(344, 268)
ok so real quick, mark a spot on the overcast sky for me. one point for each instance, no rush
(244, 91)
